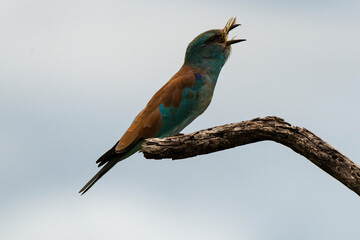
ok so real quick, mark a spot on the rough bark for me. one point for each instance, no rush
(275, 129)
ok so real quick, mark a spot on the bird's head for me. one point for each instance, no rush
(210, 50)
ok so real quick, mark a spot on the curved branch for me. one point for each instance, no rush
(275, 129)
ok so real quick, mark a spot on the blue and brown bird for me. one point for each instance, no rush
(182, 99)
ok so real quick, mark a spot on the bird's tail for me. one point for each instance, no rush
(110, 159)
(97, 176)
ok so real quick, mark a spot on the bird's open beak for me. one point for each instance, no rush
(230, 25)
(228, 43)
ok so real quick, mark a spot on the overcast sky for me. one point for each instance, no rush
(74, 74)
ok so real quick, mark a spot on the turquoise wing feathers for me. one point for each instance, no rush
(174, 119)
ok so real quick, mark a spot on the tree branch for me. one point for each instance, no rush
(275, 129)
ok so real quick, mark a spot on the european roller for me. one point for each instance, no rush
(182, 99)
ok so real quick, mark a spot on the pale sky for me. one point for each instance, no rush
(74, 74)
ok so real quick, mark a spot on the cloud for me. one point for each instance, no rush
(130, 216)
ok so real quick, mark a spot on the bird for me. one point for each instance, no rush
(182, 99)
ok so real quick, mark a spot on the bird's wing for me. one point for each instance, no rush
(148, 121)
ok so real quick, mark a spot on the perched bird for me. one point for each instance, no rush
(182, 99)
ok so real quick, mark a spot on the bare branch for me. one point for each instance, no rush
(275, 129)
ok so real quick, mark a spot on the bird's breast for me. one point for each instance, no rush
(204, 95)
